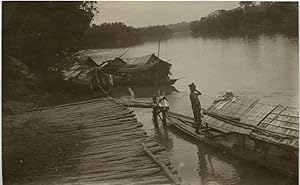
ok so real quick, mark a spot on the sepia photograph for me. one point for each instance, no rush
(150, 92)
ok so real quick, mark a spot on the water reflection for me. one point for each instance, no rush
(201, 164)
(161, 134)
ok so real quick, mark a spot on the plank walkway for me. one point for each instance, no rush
(111, 146)
(131, 103)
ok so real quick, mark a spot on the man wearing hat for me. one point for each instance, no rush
(196, 106)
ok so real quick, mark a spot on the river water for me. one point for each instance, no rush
(264, 67)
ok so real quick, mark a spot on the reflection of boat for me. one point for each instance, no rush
(252, 136)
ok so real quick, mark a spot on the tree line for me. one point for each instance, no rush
(37, 35)
(117, 34)
(37, 32)
(250, 18)
(41, 33)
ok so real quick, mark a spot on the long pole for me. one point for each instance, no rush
(158, 48)
(157, 68)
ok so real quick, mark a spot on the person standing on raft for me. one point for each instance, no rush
(196, 106)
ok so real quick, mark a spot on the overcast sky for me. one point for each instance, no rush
(145, 13)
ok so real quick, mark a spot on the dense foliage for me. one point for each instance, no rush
(180, 27)
(37, 32)
(109, 35)
(118, 34)
(35, 35)
(156, 32)
(267, 17)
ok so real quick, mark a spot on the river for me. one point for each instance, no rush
(264, 67)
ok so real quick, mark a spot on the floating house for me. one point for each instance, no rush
(259, 132)
(145, 70)
(103, 69)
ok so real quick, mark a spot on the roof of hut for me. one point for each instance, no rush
(265, 121)
(80, 66)
(100, 55)
(79, 71)
(143, 63)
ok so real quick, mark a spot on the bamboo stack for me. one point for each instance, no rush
(132, 103)
(111, 146)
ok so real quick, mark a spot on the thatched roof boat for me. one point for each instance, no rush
(260, 132)
(82, 67)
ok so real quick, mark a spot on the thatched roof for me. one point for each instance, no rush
(143, 63)
(80, 66)
(100, 55)
(282, 120)
(265, 121)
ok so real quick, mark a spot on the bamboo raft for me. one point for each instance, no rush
(111, 146)
(133, 103)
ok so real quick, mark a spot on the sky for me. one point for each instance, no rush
(146, 13)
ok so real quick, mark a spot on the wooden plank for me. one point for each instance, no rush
(163, 167)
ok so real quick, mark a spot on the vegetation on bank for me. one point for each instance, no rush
(108, 35)
(37, 32)
(249, 18)
(35, 35)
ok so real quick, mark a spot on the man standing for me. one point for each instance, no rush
(196, 106)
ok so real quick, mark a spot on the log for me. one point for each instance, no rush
(163, 167)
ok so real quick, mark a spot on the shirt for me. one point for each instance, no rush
(194, 99)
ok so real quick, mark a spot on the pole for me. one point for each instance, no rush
(154, 111)
(157, 68)
(158, 48)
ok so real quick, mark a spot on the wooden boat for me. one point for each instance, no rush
(241, 143)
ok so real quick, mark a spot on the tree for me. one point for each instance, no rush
(38, 31)
(246, 4)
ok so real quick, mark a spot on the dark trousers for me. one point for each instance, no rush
(197, 117)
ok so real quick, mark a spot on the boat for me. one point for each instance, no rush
(102, 70)
(250, 130)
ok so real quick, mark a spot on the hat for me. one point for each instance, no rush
(192, 85)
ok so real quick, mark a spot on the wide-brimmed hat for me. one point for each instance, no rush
(192, 85)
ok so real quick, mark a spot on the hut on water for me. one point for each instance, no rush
(146, 70)
(256, 131)
(102, 69)
(267, 131)
(84, 70)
